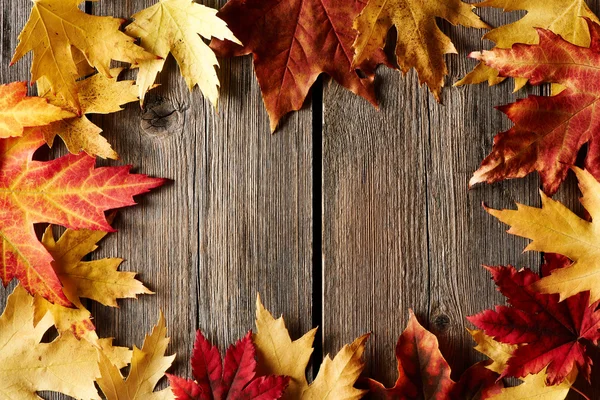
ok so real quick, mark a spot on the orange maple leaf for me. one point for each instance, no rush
(67, 191)
(18, 111)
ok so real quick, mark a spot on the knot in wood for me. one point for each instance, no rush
(441, 322)
(162, 117)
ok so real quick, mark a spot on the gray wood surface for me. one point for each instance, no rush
(399, 228)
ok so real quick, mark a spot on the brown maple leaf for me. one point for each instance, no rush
(293, 42)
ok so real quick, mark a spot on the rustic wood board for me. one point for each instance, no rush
(347, 229)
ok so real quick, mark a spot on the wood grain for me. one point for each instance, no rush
(235, 220)
(399, 228)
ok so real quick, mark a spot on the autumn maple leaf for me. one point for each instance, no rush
(420, 42)
(17, 111)
(293, 42)
(173, 26)
(67, 191)
(563, 17)
(555, 229)
(552, 335)
(64, 365)
(57, 30)
(148, 366)
(277, 354)
(97, 94)
(424, 373)
(533, 387)
(98, 280)
(234, 379)
(548, 131)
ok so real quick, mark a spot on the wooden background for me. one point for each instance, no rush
(346, 218)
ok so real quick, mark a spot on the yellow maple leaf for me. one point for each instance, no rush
(98, 280)
(556, 229)
(563, 17)
(277, 354)
(420, 43)
(533, 387)
(55, 27)
(18, 112)
(97, 94)
(65, 365)
(148, 366)
(173, 26)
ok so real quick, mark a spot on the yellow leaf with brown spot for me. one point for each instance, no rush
(97, 95)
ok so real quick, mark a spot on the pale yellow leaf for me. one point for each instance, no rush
(65, 365)
(277, 354)
(148, 366)
(173, 26)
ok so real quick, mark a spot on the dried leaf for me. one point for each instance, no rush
(293, 42)
(234, 379)
(17, 111)
(97, 95)
(65, 365)
(55, 27)
(563, 17)
(148, 366)
(98, 280)
(548, 131)
(279, 355)
(533, 387)
(551, 335)
(555, 229)
(67, 191)
(420, 42)
(173, 26)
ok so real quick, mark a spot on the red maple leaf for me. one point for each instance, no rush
(293, 41)
(424, 373)
(67, 191)
(548, 131)
(235, 379)
(552, 334)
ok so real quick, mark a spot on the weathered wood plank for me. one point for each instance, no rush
(401, 230)
(374, 217)
(235, 221)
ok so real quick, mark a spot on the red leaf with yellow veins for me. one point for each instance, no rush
(552, 335)
(234, 379)
(294, 41)
(17, 111)
(67, 191)
(548, 131)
